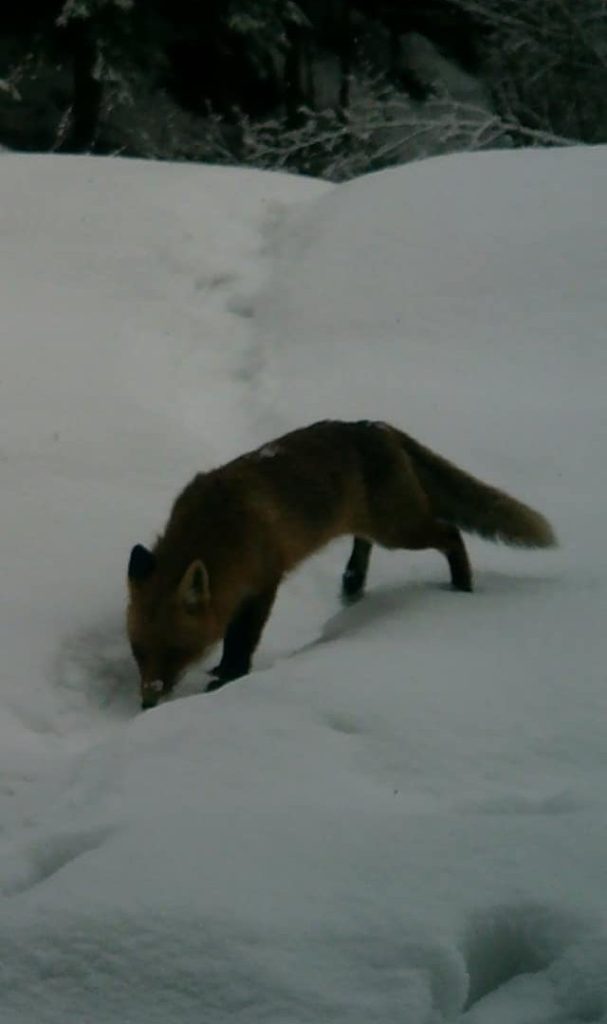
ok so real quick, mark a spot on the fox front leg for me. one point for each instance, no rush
(242, 637)
(355, 574)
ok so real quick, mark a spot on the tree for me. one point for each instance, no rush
(545, 62)
(103, 41)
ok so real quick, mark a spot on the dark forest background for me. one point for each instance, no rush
(327, 87)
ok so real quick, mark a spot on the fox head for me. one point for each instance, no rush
(169, 625)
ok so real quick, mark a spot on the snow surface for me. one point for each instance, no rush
(400, 816)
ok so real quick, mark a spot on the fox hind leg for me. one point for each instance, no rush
(401, 517)
(443, 537)
(451, 543)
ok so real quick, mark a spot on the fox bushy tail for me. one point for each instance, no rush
(476, 507)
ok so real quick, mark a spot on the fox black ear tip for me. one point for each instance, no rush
(141, 563)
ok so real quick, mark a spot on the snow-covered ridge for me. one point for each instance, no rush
(400, 815)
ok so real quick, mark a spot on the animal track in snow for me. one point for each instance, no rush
(521, 804)
(501, 945)
(213, 281)
(94, 670)
(43, 858)
(242, 306)
(529, 953)
(344, 723)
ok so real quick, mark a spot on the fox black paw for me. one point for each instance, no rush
(352, 585)
(220, 676)
(215, 684)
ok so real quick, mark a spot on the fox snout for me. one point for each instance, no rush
(151, 692)
(169, 626)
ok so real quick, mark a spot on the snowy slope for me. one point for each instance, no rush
(400, 816)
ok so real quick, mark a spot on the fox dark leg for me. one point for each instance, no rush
(451, 543)
(448, 540)
(355, 573)
(401, 517)
(242, 637)
(430, 533)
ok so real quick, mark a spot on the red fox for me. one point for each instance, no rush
(234, 532)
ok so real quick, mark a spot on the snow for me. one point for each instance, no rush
(401, 814)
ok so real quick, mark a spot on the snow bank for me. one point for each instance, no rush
(401, 814)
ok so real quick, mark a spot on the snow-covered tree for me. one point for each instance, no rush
(545, 62)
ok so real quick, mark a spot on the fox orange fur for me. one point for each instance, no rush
(235, 532)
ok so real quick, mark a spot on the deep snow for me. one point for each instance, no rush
(400, 815)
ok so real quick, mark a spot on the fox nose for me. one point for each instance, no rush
(150, 692)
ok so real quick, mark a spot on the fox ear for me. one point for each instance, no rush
(141, 564)
(193, 591)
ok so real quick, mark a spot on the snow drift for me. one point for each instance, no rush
(400, 815)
